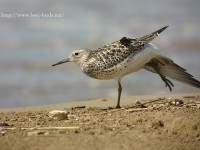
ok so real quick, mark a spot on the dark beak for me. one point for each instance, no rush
(61, 62)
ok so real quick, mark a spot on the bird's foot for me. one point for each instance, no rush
(118, 107)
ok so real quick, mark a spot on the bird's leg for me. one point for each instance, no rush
(155, 65)
(119, 94)
(168, 83)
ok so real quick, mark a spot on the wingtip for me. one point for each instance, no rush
(165, 27)
(162, 29)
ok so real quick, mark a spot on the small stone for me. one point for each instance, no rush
(176, 102)
(58, 114)
(3, 133)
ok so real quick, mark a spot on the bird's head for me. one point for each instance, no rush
(78, 56)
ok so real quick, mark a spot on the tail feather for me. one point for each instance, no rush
(171, 70)
(181, 77)
(175, 70)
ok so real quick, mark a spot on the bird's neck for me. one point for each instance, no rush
(84, 59)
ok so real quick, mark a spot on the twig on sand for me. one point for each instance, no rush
(7, 128)
(44, 128)
(149, 102)
(100, 113)
(78, 107)
(196, 97)
(137, 109)
(52, 128)
(125, 108)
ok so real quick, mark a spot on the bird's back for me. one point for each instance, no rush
(106, 61)
(101, 63)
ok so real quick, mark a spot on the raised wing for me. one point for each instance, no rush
(112, 54)
(137, 43)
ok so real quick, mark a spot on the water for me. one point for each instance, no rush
(29, 46)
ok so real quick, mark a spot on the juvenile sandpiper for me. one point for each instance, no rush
(127, 55)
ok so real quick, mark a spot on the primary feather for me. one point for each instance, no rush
(169, 69)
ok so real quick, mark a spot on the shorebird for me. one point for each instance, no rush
(127, 55)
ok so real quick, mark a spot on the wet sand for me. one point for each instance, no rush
(143, 122)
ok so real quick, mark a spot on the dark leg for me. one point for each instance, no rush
(168, 83)
(154, 63)
(119, 94)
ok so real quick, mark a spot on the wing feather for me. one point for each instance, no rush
(172, 70)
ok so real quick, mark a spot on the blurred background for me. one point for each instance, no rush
(30, 45)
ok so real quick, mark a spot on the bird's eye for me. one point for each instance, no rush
(76, 54)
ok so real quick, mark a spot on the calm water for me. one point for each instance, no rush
(29, 46)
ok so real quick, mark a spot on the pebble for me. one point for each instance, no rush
(58, 114)
(175, 102)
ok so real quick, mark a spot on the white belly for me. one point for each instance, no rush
(137, 61)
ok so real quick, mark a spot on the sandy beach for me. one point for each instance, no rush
(56, 108)
(143, 122)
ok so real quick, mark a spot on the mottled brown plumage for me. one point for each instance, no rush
(127, 55)
(108, 56)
